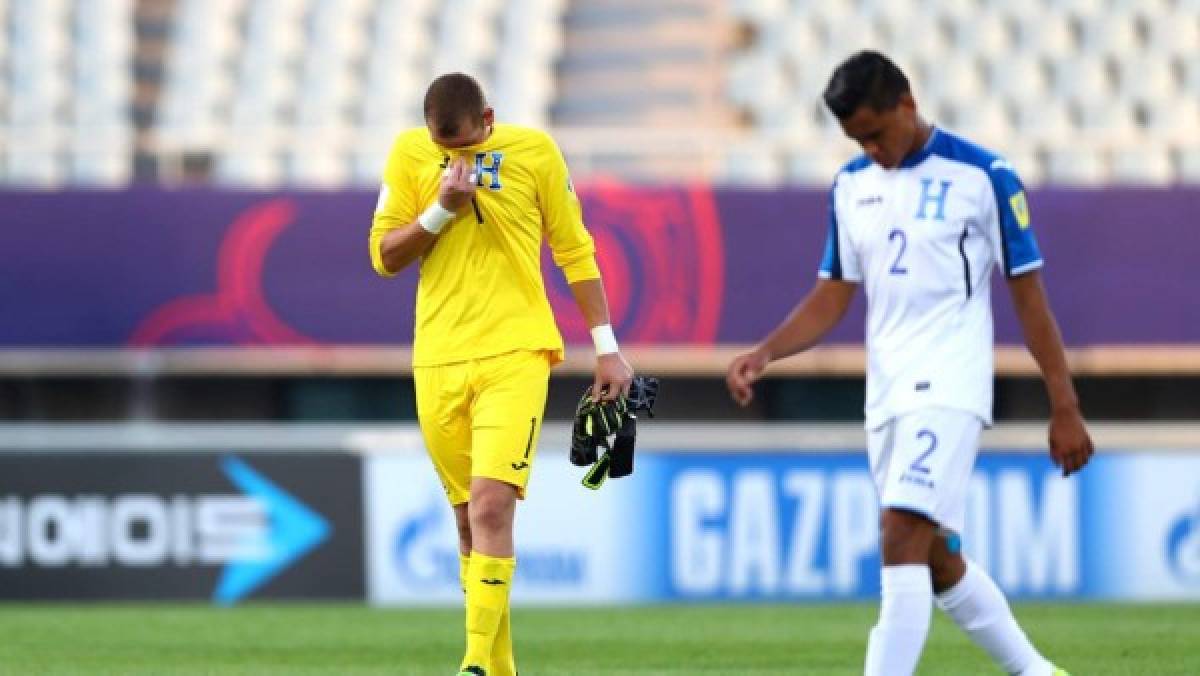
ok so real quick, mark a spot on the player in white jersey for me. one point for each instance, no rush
(920, 221)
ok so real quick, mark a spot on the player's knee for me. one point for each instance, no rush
(491, 511)
(490, 517)
(905, 537)
(945, 569)
(946, 565)
(945, 574)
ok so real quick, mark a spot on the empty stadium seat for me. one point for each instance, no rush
(1043, 122)
(1082, 79)
(1188, 163)
(1111, 120)
(1147, 77)
(1175, 33)
(1146, 163)
(813, 167)
(988, 120)
(1024, 157)
(1176, 121)
(35, 157)
(1021, 80)
(1076, 165)
(755, 164)
(1108, 32)
(988, 33)
(1046, 32)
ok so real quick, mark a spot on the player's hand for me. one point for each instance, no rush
(458, 185)
(744, 371)
(613, 377)
(1070, 445)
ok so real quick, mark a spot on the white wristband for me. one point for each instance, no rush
(605, 339)
(435, 218)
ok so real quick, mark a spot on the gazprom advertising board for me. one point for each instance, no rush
(805, 526)
(781, 525)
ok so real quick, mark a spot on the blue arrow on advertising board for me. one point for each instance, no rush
(292, 531)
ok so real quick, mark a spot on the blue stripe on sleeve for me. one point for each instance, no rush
(831, 262)
(1020, 248)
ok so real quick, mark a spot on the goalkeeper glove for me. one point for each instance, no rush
(595, 422)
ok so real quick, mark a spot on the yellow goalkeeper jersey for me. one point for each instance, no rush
(480, 291)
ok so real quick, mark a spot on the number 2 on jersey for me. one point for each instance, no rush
(897, 268)
(919, 465)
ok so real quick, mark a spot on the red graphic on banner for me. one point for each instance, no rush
(238, 312)
(660, 251)
(662, 257)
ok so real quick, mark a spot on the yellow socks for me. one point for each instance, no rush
(503, 661)
(487, 582)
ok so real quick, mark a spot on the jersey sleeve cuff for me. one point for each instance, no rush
(825, 274)
(377, 258)
(1019, 270)
(581, 269)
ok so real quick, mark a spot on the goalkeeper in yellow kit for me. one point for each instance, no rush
(472, 200)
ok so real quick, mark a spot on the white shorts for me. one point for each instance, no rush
(922, 463)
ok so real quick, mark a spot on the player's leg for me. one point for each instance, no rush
(462, 522)
(502, 660)
(442, 411)
(489, 570)
(502, 654)
(895, 642)
(963, 589)
(969, 597)
(506, 418)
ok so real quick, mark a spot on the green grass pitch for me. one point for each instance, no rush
(1089, 640)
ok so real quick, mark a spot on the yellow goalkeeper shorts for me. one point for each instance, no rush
(481, 418)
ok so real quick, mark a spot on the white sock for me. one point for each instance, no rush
(897, 639)
(978, 607)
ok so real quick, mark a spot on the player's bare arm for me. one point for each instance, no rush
(400, 247)
(613, 373)
(1070, 444)
(813, 317)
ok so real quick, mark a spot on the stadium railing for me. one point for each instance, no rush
(667, 360)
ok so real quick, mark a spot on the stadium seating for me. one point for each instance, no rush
(310, 92)
(1076, 91)
(66, 92)
(317, 88)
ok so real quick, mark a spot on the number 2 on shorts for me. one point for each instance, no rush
(919, 465)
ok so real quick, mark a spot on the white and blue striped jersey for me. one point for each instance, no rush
(922, 239)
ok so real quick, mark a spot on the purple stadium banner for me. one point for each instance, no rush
(683, 265)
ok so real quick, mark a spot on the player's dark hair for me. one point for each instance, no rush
(867, 78)
(451, 98)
